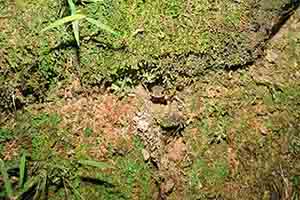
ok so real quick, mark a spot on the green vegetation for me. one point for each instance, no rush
(159, 42)
(135, 174)
(46, 172)
(226, 74)
(215, 122)
(74, 18)
(201, 173)
(53, 173)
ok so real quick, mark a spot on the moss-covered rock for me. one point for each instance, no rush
(162, 40)
(158, 41)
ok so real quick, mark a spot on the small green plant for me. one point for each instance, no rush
(8, 186)
(88, 132)
(7, 183)
(74, 19)
(216, 131)
(201, 175)
(5, 134)
(57, 173)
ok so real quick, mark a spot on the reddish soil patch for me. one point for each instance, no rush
(176, 150)
(11, 150)
(107, 119)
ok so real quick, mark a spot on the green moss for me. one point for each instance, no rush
(88, 132)
(134, 175)
(155, 34)
(158, 41)
(130, 178)
(31, 63)
(203, 175)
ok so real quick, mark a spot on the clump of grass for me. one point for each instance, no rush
(42, 170)
(216, 131)
(201, 175)
(44, 175)
(74, 19)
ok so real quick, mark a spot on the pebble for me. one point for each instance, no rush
(146, 155)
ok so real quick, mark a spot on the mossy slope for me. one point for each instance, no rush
(158, 41)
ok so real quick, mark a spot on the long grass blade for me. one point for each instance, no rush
(28, 185)
(93, 163)
(92, 1)
(64, 21)
(75, 24)
(77, 194)
(22, 167)
(43, 186)
(7, 183)
(73, 189)
(37, 194)
(66, 190)
(101, 25)
(72, 7)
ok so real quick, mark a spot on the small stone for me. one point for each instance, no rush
(140, 92)
(142, 121)
(263, 131)
(177, 150)
(173, 120)
(146, 155)
(157, 91)
(76, 86)
(271, 56)
(143, 126)
(297, 74)
(68, 94)
(168, 186)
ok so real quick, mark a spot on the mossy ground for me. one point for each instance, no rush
(158, 42)
(243, 141)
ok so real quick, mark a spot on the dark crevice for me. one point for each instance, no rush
(239, 66)
(108, 46)
(64, 45)
(287, 11)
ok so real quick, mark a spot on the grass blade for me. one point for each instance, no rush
(37, 194)
(102, 26)
(66, 190)
(22, 167)
(7, 183)
(28, 185)
(75, 24)
(75, 192)
(72, 7)
(63, 21)
(43, 187)
(93, 163)
(92, 1)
